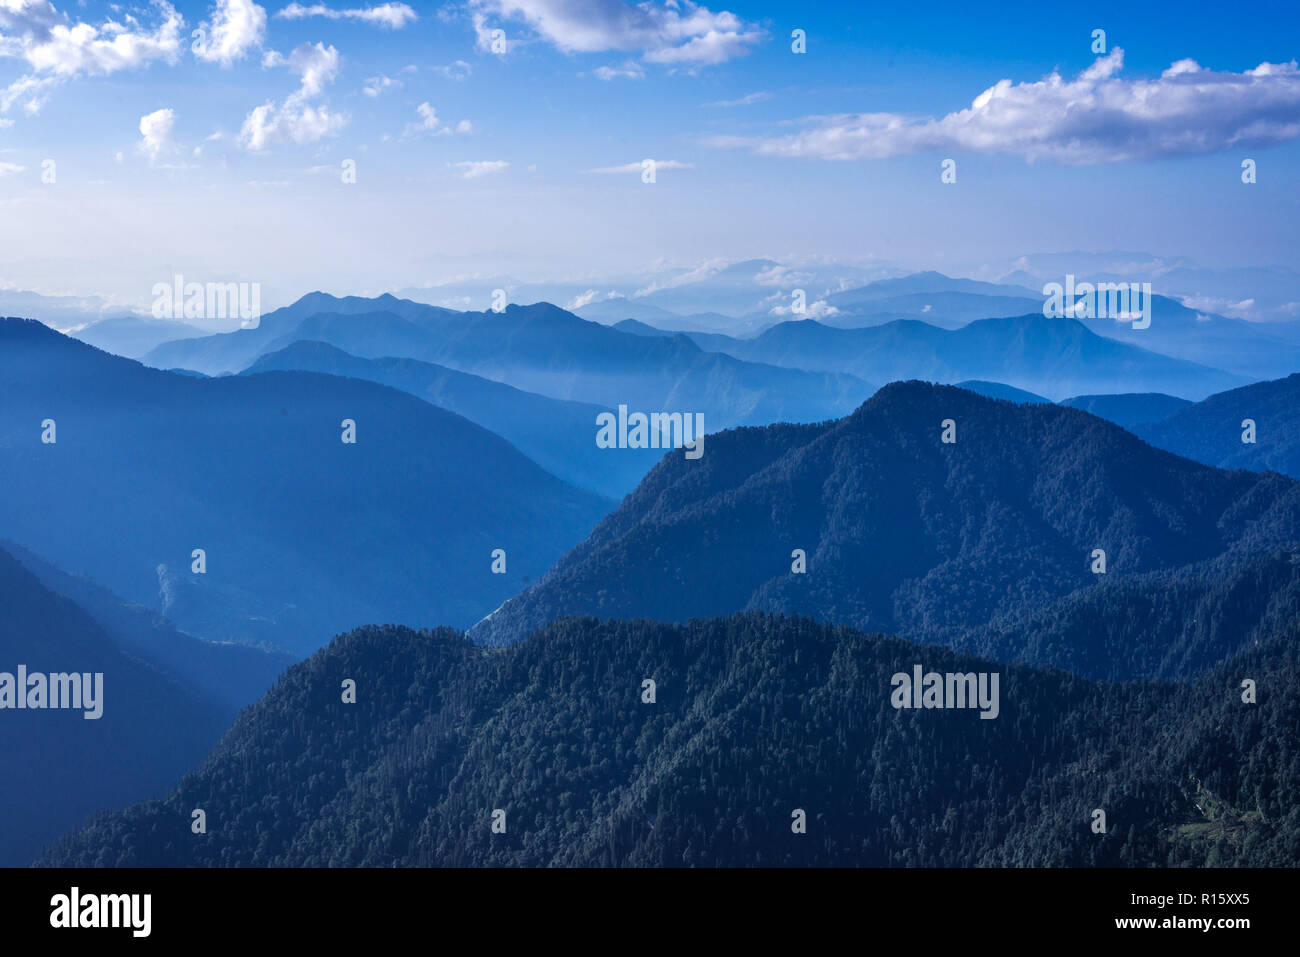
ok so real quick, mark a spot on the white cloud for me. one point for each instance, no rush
(428, 119)
(8, 169)
(587, 298)
(482, 32)
(156, 133)
(233, 29)
(71, 49)
(703, 271)
(630, 70)
(33, 88)
(297, 120)
(672, 31)
(459, 70)
(475, 168)
(430, 123)
(273, 58)
(380, 84)
(814, 310)
(637, 167)
(29, 17)
(392, 16)
(748, 100)
(1098, 117)
(58, 49)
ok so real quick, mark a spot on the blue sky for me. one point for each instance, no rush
(225, 163)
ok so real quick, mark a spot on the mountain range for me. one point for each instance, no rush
(748, 740)
(640, 658)
(303, 534)
(1215, 431)
(556, 434)
(538, 348)
(133, 336)
(1052, 357)
(61, 767)
(874, 521)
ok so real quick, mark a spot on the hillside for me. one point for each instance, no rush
(1130, 408)
(304, 535)
(1211, 431)
(557, 435)
(61, 767)
(754, 718)
(133, 336)
(230, 674)
(904, 534)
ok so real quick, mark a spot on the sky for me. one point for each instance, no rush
(138, 141)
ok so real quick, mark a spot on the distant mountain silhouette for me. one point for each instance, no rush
(639, 328)
(904, 534)
(619, 309)
(133, 336)
(61, 767)
(305, 536)
(234, 351)
(929, 282)
(768, 742)
(1253, 350)
(1247, 349)
(996, 390)
(931, 296)
(1211, 431)
(558, 435)
(1052, 357)
(544, 349)
(948, 310)
(1130, 408)
(60, 312)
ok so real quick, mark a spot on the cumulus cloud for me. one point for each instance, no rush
(20, 18)
(1097, 117)
(637, 167)
(670, 32)
(156, 133)
(297, 120)
(380, 84)
(473, 169)
(392, 16)
(233, 28)
(430, 123)
(58, 49)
